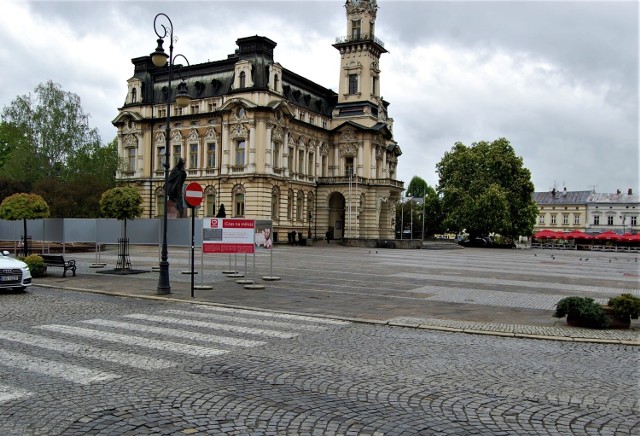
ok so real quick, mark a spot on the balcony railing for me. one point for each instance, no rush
(360, 180)
(358, 38)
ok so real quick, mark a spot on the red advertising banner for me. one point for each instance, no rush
(228, 235)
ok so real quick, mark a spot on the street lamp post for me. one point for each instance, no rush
(160, 59)
(309, 232)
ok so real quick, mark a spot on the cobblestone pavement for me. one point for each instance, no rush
(75, 363)
(505, 292)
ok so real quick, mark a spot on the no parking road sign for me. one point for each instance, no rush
(193, 194)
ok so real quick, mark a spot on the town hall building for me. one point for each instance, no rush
(268, 143)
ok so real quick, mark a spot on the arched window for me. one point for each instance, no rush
(240, 153)
(275, 82)
(160, 203)
(243, 79)
(299, 206)
(275, 203)
(210, 202)
(238, 201)
(290, 205)
(134, 95)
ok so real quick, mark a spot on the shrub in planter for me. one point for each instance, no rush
(36, 265)
(625, 307)
(583, 311)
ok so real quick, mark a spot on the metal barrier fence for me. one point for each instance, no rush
(99, 231)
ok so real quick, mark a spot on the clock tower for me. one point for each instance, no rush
(359, 90)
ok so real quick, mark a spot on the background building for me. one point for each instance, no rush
(588, 211)
(268, 143)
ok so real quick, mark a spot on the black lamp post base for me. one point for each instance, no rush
(164, 286)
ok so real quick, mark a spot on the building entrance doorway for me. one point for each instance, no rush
(336, 216)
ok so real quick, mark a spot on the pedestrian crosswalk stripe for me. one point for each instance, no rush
(213, 325)
(86, 351)
(176, 333)
(253, 313)
(67, 371)
(8, 393)
(228, 318)
(139, 341)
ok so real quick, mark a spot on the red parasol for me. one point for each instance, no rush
(609, 235)
(546, 234)
(577, 234)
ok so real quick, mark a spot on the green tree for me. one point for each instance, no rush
(52, 129)
(433, 218)
(417, 187)
(486, 189)
(24, 207)
(122, 203)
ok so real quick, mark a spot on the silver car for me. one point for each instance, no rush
(14, 273)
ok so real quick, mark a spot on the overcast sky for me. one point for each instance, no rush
(558, 79)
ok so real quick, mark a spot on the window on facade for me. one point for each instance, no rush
(134, 95)
(162, 113)
(275, 82)
(276, 155)
(290, 160)
(576, 219)
(240, 151)
(553, 218)
(160, 204)
(565, 219)
(634, 220)
(177, 153)
(349, 166)
(374, 90)
(540, 219)
(353, 83)
(596, 220)
(299, 204)
(610, 220)
(274, 206)
(161, 158)
(178, 110)
(131, 159)
(193, 156)
(238, 208)
(310, 169)
(211, 205)
(211, 155)
(301, 162)
(290, 205)
(312, 119)
(309, 207)
(355, 29)
(243, 79)
(195, 109)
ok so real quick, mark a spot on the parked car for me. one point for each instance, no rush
(477, 242)
(14, 273)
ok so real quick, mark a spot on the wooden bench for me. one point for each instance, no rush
(58, 261)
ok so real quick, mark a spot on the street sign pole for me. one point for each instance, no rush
(193, 196)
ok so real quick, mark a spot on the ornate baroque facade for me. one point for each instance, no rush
(268, 143)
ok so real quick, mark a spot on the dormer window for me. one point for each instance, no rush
(134, 95)
(243, 79)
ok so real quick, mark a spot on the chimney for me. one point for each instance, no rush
(630, 191)
(618, 192)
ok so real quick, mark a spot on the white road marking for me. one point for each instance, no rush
(212, 325)
(8, 393)
(229, 318)
(176, 333)
(251, 313)
(81, 350)
(139, 341)
(67, 371)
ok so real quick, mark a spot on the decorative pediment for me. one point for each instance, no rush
(324, 149)
(278, 134)
(239, 132)
(348, 150)
(193, 135)
(176, 136)
(347, 135)
(130, 140)
(210, 135)
(160, 138)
